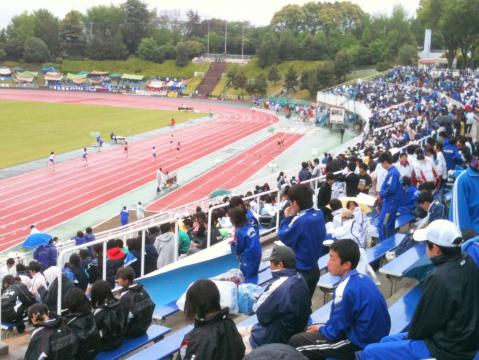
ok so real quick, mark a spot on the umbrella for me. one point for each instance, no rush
(444, 120)
(219, 192)
(35, 240)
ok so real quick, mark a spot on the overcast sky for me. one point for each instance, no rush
(258, 12)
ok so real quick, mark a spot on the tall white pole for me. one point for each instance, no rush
(208, 51)
(242, 42)
(226, 34)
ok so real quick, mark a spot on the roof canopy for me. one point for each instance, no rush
(5, 71)
(26, 76)
(155, 84)
(53, 76)
(132, 77)
(99, 73)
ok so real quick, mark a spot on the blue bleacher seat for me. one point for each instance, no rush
(402, 311)
(164, 348)
(321, 315)
(154, 333)
(401, 220)
(249, 321)
(162, 312)
(401, 264)
(7, 325)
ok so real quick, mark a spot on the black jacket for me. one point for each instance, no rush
(352, 182)
(151, 257)
(50, 296)
(213, 338)
(324, 195)
(110, 321)
(10, 296)
(447, 316)
(53, 339)
(84, 327)
(139, 307)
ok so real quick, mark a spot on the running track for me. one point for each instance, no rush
(48, 197)
(227, 176)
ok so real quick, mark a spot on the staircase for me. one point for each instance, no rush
(211, 78)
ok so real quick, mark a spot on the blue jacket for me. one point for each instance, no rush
(252, 220)
(46, 255)
(409, 200)
(452, 155)
(471, 247)
(79, 240)
(359, 312)
(248, 248)
(391, 189)
(124, 215)
(464, 208)
(89, 237)
(283, 309)
(304, 233)
(436, 211)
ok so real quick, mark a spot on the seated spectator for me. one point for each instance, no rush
(305, 172)
(38, 280)
(185, 241)
(82, 322)
(150, 255)
(303, 230)
(135, 302)
(214, 336)
(115, 258)
(80, 275)
(471, 244)
(404, 167)
(358, 317)
(24, 275)
(49, 295)
(284, 308)
(15, 301)
(109, 316)
(165, 245)
(9, 268)
(46, 255)
(445, 324)
(198, 232)
(248, 246)
(49, 331)
(435, 210)
(324, 193)
(336, 210)
(90, 264)
(350, 228)
(408, 203)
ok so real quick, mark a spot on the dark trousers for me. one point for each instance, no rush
(311, 277)
(316, 347)
(468, 128)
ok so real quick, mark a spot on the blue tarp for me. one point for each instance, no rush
(49, 69)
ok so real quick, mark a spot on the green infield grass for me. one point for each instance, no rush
(30, 130)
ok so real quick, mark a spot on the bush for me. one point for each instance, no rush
(383, 66)
(35, 50)
(3, 54)
(149, 50)
(182, 54)
(407, 55)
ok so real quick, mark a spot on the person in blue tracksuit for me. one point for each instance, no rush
(248, 247)
(409, 200)
(464, 209)
(237, 201)
(284, 308)
(359, 313)
(303, 230)
(471, 244)
(451, 154)
(390, 196)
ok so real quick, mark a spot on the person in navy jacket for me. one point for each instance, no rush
(359, 314)
(248, 247)
(303, 230)
(390, 197)
(284, 308)
(451, 154)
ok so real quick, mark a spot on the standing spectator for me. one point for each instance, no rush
(165, 245)
(82, 322)
(79, 238)
(284, 308)
(324, 193)
(15, 301)
(408, 203)
(365, 181)
(464, 210)
(124, 216)
(351, 179)
(48, 331)
(303, 230)
(89, 236)
(115, 259)
(404, 167)
(389, 196)
(160, 180)
(248, 246)
(237, 201)
(135, 302)
(452, 155)
(424, 169)
(38, 280)
(445, 324)
(140, 211)
(305, 173)
(469, 121)
(90, 264)
(317, 169)
(46, 255)
(441, 164)
(214, 336)
(359, 314)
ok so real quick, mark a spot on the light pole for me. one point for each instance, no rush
(208, 51)
(242, 42)
(226, 34)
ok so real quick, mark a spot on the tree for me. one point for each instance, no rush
(72, 38)
(343, 64)
(107, 47)
(291, 79)
(231, 75)
(182, 54)
(101, 19)
(261, 85)
(35, 50)
(137, 19)
(19, 30)
(326, 75)
(239, 81)
(149, 50)
(193, 24)
(46, 26)
(267, 51)
(407, 55)
(273, 74)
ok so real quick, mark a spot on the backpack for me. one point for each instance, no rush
(86, 332)
(111, 322)
(63, 343)
(141, 307)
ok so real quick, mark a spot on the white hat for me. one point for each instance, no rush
(439, 232)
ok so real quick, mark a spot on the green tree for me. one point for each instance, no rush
(35, 50)
(273, 74)
(46, 26)
(137, 20)
(343, 64)
(107, 47)
(149, 50)
(267, 51)
(239, 81)
(72, 38)
(326, 75)
(20, 29)
(231, 75)
(407, 55)
(291, 79)
(261, 85)
(3, 54)
(182, 54)
(102, 19)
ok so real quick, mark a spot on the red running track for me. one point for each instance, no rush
(50, 196)
(227, 176)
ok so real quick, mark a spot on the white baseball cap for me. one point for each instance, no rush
(439, 232)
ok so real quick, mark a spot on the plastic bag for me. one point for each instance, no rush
(247, 296)
(228, 296)
(233, 275)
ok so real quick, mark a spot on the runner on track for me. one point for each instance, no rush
(172, 140)
(172, 122)
(178, 148)
(281, 140)
(153, 152)
(125, 149)
(51, 159)
(85, 156)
